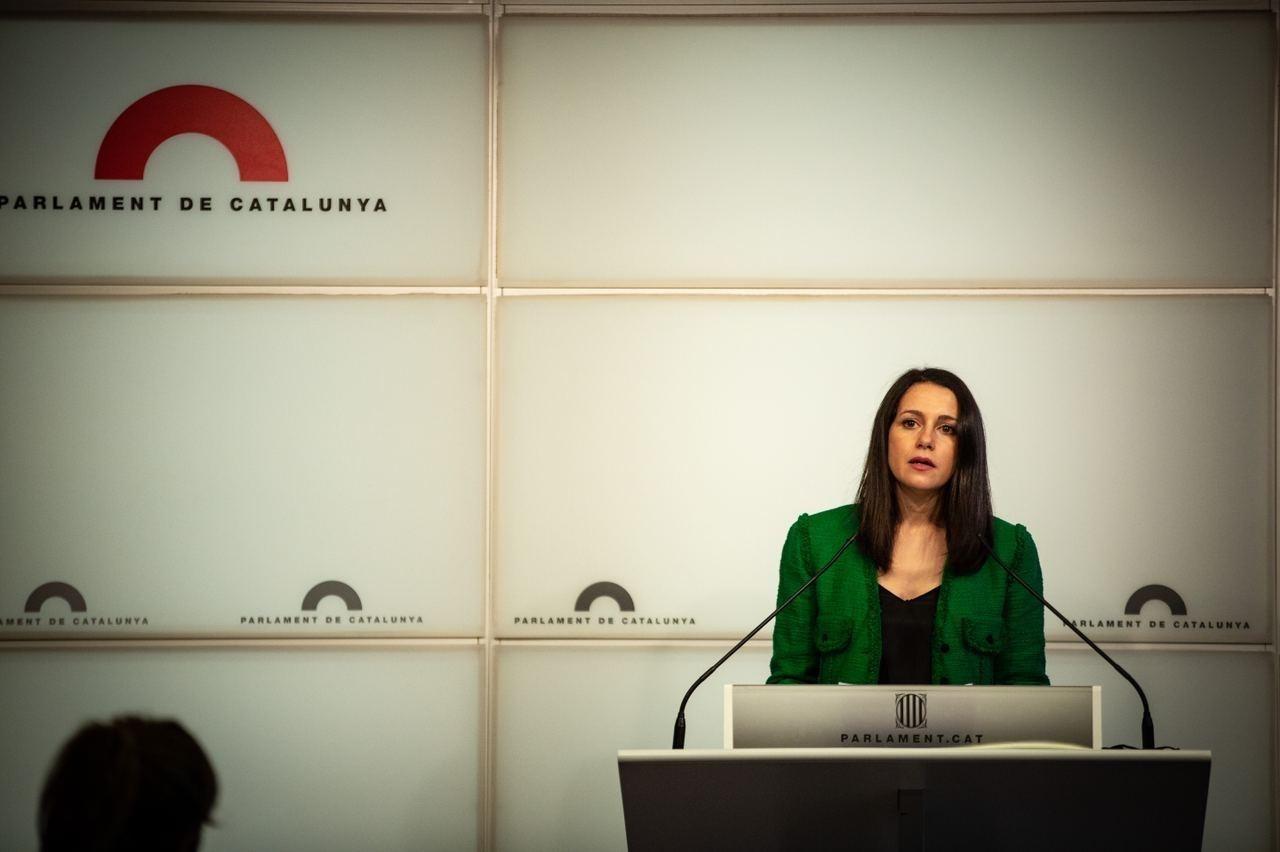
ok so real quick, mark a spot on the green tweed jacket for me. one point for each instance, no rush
(987, 629)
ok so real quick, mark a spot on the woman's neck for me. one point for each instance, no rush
(918, 508)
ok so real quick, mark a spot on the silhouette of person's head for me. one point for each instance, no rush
(143, 785)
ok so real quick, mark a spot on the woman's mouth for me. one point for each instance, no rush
(921, 463)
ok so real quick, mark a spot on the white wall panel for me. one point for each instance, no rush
(1116, 149)
(665, 445)
(316, 748)
(381, 110)
(564, 712)
(1222, 701)
(202, 463)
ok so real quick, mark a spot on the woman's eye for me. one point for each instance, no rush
(947, 429)
(908, 422)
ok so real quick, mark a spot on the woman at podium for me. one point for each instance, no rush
(917, 597)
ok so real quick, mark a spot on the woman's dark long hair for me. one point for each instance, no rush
(965, 504)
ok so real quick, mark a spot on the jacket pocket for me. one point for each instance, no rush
(833, 633)
(983, 637)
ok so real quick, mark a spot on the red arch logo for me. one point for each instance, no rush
(216, 113)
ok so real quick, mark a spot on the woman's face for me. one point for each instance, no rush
(922, 439)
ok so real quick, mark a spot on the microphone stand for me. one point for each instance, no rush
(677, 739)
(1148, 727)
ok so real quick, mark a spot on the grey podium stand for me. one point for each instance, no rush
(914, 799)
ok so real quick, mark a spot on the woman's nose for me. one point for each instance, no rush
(925, 439)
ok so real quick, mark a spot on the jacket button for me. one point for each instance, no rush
(945, 648)
(944, 679)
(989, 639)
(824, 637)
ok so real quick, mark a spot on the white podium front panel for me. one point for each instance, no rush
(923, 716)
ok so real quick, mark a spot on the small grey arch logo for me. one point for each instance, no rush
(66, 591)
(911, 710)
(604, 589)
(1155, 592)
(334, 588)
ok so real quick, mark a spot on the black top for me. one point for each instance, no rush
(906, 637)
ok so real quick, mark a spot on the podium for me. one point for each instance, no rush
(961, 798)
(922, 784)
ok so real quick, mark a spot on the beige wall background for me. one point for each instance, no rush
(643, 280)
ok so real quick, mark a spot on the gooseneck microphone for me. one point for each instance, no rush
(1148, 727)
(677, 740)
